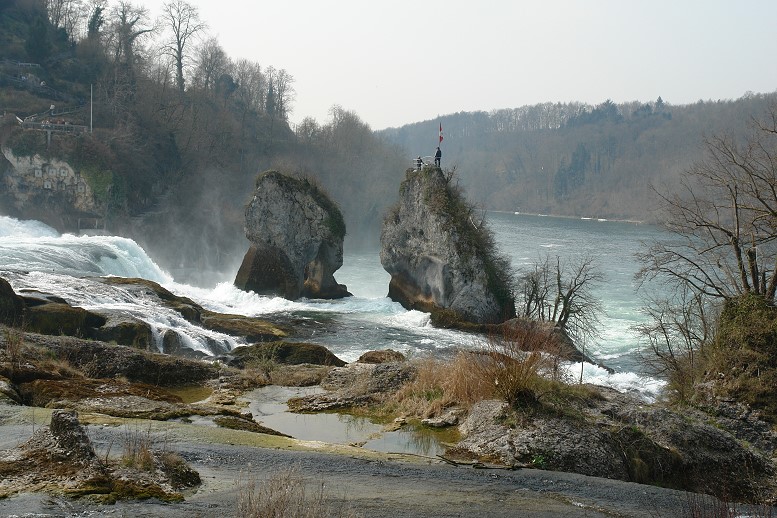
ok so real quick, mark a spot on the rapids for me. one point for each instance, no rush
(34, 256)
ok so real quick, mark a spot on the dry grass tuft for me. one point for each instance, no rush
(440, 384)
(304, 375)
(521, 362)
(521, 366)
(137, 449)
(285, 495)
(14, 342)
(697, 505)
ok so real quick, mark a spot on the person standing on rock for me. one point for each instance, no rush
(437, 157)
(419, 162)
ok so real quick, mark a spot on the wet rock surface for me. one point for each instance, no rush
(381, 486)
(46, 314)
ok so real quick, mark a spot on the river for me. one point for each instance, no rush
(34, 256)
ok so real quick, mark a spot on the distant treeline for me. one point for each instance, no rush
(577, 159)
(181, 130)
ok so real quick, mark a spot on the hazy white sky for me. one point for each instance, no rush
(403, 61)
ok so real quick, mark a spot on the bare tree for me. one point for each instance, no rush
(67, 15)
(183, 23)
(677, 332)
(723, 220)
(563, 293)
(308, 131)
(722, 225)
(281, 86)
(252, 86)
(129, 24)
(212, 62)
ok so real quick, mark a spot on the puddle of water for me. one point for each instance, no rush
(268, 406)
(191, 394)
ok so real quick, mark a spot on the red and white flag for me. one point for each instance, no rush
(441, 133)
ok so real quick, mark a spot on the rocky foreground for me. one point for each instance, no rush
(193, 408)
(359, 483)
(613, 436)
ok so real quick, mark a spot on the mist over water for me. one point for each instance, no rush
(34, 256)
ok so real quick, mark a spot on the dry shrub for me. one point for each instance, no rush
(304, 375)
(14, 341)
(285, 495)
(439, 384)
(697, 505)
(137, 449)
(178, 471)
(60, 367)
(521, 363)
(519, 366)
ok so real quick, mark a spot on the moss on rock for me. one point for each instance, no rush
(292, 353)
(238, 423)
(61, 319)
(251, 328)
(742, 361)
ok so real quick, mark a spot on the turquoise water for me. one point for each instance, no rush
(33, 256)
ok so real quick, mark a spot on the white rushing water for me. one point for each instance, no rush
(35, 257)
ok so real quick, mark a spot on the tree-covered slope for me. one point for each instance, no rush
(575, 159)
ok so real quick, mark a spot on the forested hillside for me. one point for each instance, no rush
(180, 129)
(178, 132)
(578, 160)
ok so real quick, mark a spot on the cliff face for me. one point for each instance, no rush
(438, 257)
(296, 236)
(48, 190)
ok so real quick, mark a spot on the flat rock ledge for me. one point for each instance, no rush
(620, 437)
(354, 385)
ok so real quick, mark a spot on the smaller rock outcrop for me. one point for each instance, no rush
(296, 235)
(70, 435)
(355, 384)
(618, 436)
(289, 353)
(60, 459)
(439, 257)
(384, 356)
(11, 305)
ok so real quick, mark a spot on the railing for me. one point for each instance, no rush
(54, 113)
(50, 126)
(19, 64)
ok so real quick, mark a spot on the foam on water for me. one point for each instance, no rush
(34, 256)
(10, 227)
(32, 246)
(645, 386)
